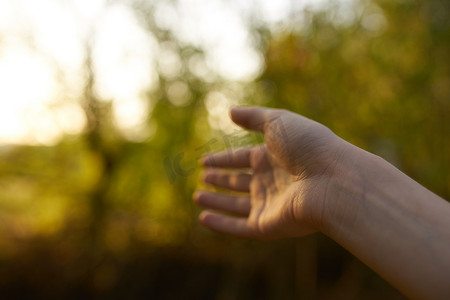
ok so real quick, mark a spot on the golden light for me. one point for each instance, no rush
(45, 43)
(42, 68)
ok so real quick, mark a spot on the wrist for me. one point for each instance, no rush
(347, 188)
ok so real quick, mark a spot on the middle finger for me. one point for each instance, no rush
(239, 182)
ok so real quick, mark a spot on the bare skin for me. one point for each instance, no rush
(305, 179)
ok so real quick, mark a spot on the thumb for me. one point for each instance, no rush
(254, 118)
(274, 124)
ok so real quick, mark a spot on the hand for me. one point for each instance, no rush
(304, 178)
(285, 193)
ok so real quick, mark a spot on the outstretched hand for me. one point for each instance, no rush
(304, 179)
(282, 185)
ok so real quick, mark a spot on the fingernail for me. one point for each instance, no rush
(203, 160)
(202, 216)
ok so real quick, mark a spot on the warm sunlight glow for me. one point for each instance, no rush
(123, 55)
(218, 106)
(45, 46)
(41, 54)
(42, 68)
(27, 84)
(124, 65)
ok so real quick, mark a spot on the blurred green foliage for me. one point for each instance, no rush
(381, 82)
(100, 216)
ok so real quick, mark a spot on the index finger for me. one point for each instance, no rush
(239, 158)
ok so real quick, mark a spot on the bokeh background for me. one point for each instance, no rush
(106, 106)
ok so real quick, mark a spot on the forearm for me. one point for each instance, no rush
(393, 224)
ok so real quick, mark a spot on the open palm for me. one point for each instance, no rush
(278, 186)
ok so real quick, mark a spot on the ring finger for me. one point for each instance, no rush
(239, 205)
